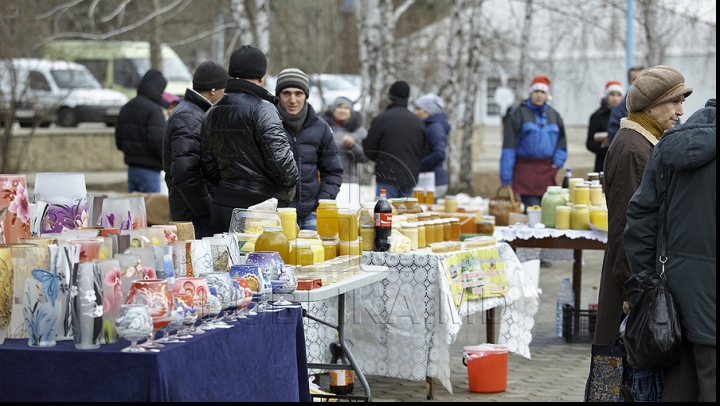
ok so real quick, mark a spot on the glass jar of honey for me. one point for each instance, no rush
(349, 247)
(486, 225)
(399, 205)
(368, 235)
(454, 229)
(302, 253)
(562, 217)
(410, 230)
(313, 238)
(412, 205)
(439, 230)
(580, 216)
(288, 219)
(450, 204)
(348, 224)
(596, 195)
(273, 239)
(330, 246)
(327, 218)
(582, 194)
(422, 243)
(429, 197)
(599, 218)
(419, 194)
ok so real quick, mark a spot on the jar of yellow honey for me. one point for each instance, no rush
(327, 218)
(273, 239)
(302, 253)
(599, 218)
(562, 217)
(348, 223)
(288, 219)
(580, 216)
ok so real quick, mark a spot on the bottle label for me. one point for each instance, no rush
(383, 220)
(338, 378)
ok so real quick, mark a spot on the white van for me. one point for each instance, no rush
(47, 91)
(120, 65)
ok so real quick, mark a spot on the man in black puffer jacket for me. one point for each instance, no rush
(189, 193)
(139, 133)
(312, 142)
(244, 151)
(396, 143)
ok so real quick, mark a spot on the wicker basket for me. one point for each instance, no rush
(501, 206)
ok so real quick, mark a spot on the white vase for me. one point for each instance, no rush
(87, 305)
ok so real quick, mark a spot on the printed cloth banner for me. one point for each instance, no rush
(475, 274)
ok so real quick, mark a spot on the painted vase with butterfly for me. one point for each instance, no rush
(41, 308)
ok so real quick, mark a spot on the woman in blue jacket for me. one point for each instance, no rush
(431, 110)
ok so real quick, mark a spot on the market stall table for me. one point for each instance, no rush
(576, 240)
(261, 358)
(403, 325)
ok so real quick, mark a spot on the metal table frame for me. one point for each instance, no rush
(369, 274)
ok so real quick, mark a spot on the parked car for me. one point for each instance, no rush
(47, 91)
(334, 85)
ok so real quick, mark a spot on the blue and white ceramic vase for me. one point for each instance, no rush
(87, 305)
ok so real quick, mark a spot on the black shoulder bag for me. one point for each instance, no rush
(651, 334)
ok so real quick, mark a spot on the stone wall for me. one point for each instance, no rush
(81, 149)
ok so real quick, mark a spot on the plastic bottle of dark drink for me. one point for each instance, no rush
(566, 179)
(383, 223)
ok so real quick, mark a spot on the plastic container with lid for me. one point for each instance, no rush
(593, 178)
(580, 217)
(349, 247)
(302, 253)
(550, 201)
(330, 247)
(315, 243)
(327, 218)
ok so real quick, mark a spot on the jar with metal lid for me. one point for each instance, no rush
(327, 218)
(315, 244)
(486, 225)
(447, 230)
(593, 178)
(412, 205)
(368, 234)
(410, 230)
(330, 246)
(599, 218)
(273, 239)
(596, 195)
(288, 219)
(454, 229)
(421, 234)
(348, 224)
(450, 204)
(580, 217)
(399, 205)
(582, 194)
(601, 175)
(550, 200)
(302, 253)
(562, 217)
(419, 194)
(429, 197)
(439, 230)
(429, 232)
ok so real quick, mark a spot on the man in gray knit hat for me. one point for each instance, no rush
(245, 153)
(313, 146)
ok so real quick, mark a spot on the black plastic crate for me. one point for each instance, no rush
(578, 324)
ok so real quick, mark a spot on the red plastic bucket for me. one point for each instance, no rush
(487, 367)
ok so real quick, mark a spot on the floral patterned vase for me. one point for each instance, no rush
(6, 290)
(14, 208)
(87, 305)
(26, 258)
(66, 195)
(62, 258)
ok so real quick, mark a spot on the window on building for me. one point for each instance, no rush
(494, 109)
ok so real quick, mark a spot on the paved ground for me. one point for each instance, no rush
(556, 371)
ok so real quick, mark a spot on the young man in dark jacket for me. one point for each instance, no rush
(396, 143)
(139, 133)
(244, 150)
(189, 193)
(313, 145)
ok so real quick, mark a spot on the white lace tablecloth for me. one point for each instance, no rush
(525, 233)
(403, 326)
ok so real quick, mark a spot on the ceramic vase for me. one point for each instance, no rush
(87, 305)
(25, 258)
(14, 208)
(6, 290)
(66, 195)
(62, 259)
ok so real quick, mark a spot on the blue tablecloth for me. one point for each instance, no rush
(261, 359)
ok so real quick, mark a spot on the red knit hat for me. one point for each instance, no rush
(613, 86)
(540, 83)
